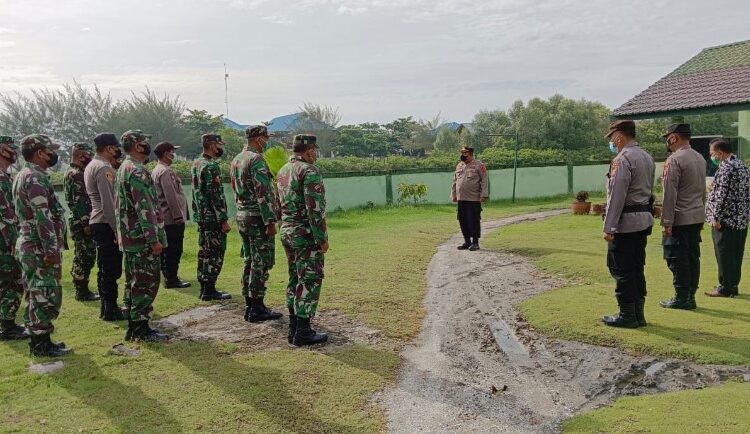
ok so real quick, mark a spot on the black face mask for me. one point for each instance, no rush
(667, 145)
(146, 149)
(12, 157)
(53, 159)
(219, 152)
(118, 153)
(464, 157)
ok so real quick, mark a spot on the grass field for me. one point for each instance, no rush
(374, 274)
(717, 332)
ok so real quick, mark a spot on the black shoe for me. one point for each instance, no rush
(140, 331)
(209, 292)
(679, 301)
(625, 319)
(259, 312)
(83, 293)
(42, 346)
(292, 325)
(474, 247)
(304, 335)
(113, 312)
(9, 331)
(640, 316)
(176, 284)
(464, 246)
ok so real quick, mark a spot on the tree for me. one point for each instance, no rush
(320, 120)
(73, 113)
(446, 140)
(363, 140)
(493, 122)
(200, 121)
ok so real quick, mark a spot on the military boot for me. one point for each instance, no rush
(42, 346)
(113, 312)
(640, 305)
(259, 312)
(465, 245)
(140, 331)
(292, 325)
(10, 331)
(681, 300)
(83, 293)
(625, 318)
(304, 335)
(209, 292)
(176, 283)
(248, 307)
(691, 298)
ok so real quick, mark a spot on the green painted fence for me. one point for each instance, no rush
(345, 191)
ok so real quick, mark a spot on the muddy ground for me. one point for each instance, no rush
(476, 366)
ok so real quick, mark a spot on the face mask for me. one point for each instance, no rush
(118, 153)
(85, 161)
(219, 152)
(715, 160)
(668, 144)
(11, 156)
(53, 159)
(464, 157)
(613, 148)
(146, 149)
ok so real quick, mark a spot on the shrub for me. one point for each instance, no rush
(582, 196)
(413, 192)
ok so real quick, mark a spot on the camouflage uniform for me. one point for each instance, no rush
(303, 230)
(139, 225)
(255, 197)
(79, 205)
(210, 211)
(40, 218)
(11, 283)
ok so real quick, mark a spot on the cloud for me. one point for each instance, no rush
(85, 29)
(347, 10)
(5, 31)
(279, 19)
(246, 4)
(176, 43)
(7, 44)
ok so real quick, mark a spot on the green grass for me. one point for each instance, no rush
(717, 332)
(374, 274)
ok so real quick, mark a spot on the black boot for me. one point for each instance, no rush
(474, 246)
(140, 331)
(176, 283)
(691, 298)
(681, 300)
(640, 305)
(112, 311)
(465, 245)
(248, 307)
(304, 335)
(259, 312)
(209, 292)
(42, 346)
(626, 318)
(292, 325)
(10, 331)
(83, 293)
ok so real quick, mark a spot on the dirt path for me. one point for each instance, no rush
(476, 367)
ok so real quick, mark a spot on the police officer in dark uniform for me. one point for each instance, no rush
(683, 214)
(627, 223)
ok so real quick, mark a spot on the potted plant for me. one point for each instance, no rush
(657, 209)
(598, 208)
(581, 206)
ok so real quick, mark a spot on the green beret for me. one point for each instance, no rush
(305, 139)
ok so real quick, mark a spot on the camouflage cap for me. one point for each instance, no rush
(256, 131)
(9, 142)
(467, 149)
(211, 137)
(133, 136)
(38, 141)
(305, 139)
(85, 147)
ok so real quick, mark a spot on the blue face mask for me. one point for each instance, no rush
(613, 148)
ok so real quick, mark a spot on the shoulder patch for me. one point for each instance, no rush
(110, 176)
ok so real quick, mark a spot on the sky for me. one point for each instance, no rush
(376, 60)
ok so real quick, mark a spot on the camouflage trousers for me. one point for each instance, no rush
(212, 243)
(84, 257)
(142, 274)
(259, 254)
(305, 278)
(43, 293)
(11, 287)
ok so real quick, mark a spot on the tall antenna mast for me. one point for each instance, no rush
(226, 91)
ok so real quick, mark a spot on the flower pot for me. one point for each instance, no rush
(598, 208)
(581, 208)
(657, 211)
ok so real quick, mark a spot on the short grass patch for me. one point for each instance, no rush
(375, 274)
(717, 332)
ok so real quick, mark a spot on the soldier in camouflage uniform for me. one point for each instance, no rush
(210, 211)
(40, 241)
(255, 197)
(140, 235)
(11, 283)
(79, 205)
(304, 236)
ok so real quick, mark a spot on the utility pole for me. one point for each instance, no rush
(226, 91)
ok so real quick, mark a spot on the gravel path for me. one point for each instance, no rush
(477, 366)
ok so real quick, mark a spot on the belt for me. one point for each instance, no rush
(627, 209)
